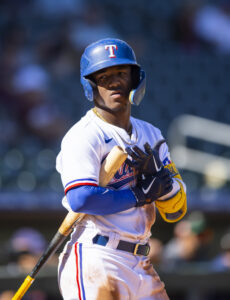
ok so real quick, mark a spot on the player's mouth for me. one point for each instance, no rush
(117, 94)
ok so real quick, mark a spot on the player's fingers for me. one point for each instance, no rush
(132, 153)
(164, 172)
(148, 148)
(129, 162)
(132, 164)
(168, 181)
(139, 151)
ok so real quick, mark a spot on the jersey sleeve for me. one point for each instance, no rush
(79, 160)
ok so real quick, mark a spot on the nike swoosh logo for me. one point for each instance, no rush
(108, 140)
(106, 191)
(149, 187)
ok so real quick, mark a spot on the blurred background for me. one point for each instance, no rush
(184, 47)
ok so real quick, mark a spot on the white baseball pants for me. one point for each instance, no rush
(94, 272)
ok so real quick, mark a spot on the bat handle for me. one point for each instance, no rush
(67, 225)
(23, 288)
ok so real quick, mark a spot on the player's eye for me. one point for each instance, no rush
(123, 73)
(102, 79)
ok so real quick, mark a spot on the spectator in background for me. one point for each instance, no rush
(182, 26)
(197, 25)
(222, 261)
(25, 247)
(35, 113)
(58, 54)
(191, 242)
(13, 54)
(90, 28)
(30, 295)
(212, 25)
(6, 295)
(58, 8)
(156, 249)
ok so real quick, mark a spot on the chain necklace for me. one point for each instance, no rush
(130, 131)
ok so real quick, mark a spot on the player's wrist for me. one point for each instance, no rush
(139, 196)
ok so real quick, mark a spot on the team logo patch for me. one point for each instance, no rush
(166, 161)
(124, 177)
(111, 49)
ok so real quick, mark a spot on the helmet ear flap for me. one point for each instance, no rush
(137, 94)
(88, 86)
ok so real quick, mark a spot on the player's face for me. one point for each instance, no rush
(114, 85)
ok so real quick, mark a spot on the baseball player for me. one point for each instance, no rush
(107, 255)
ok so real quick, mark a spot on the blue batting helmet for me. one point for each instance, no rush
(108, 53)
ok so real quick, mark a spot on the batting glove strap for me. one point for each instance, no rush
(139, 196)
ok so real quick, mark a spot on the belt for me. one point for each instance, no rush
(136, 249)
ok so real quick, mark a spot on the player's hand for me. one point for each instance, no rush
(147, 162)
(152, 187)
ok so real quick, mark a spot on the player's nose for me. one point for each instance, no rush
(114, 82)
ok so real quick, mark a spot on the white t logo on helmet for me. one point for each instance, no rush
(111, 49)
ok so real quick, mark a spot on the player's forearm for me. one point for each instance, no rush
(99, 201)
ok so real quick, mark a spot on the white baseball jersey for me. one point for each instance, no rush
(88, 271)
(84, 148)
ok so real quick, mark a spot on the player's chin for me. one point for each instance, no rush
(119, 104)
(119, 99)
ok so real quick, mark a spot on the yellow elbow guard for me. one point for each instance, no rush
(174, 208)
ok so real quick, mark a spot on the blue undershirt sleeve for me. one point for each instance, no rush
(96, 200)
